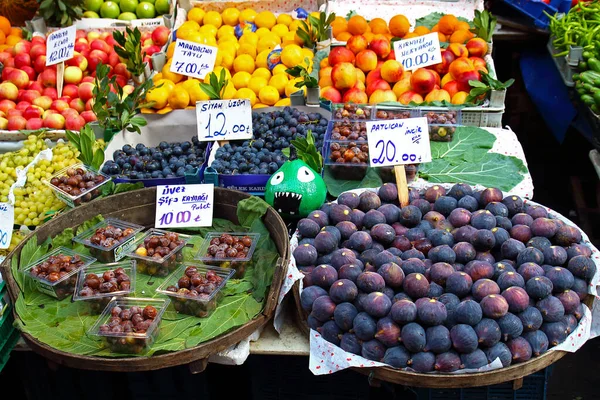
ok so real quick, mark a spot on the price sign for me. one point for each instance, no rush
(398, 141)
(418, 52)
(180, 206)
(193, 59)
(224, 119)
(60, 45)
(7, 220)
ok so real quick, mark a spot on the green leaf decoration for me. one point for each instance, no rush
(88, 224)
(127, 187)
(251, 209)
(465, 138)
(63, 239)
(336, 187)
(308, 152)
(430, 20)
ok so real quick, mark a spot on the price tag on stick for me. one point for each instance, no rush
(224, 120)
(179, 206)
(418, 52)
(193, 59)
(60, 45)
(7, 219)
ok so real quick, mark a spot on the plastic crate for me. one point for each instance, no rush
(7, 348)
(6, 328)
(534, 388)
(537, 9)
(482, 118)
(565, 69)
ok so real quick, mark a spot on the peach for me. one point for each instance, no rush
(459, 97)
(380, 96)
(77, 105)
(477, 47)
(401, 87)
(339, 55)
(43, 101)
(360, 85)
(22, 60)
(19, 78)
(447, 58)
(3, 123)
(424, 80)
(451, 87)
(50, 92)
(71, 91)
(373, 76)
(381, 46)
(88, 116)
(78, 61)
(332, 94)
(360, 75)
(366, 60)
(30, 73)
(16, 123)
(459, 50)
(343, 75)
(74, 123)
(32, 112)
(34, 124)
(437, 95)
(467, 76)
(6, 105)
(325, 81)
(410, 97)
(460, 66)
(357, 43)
(8, 91)
(391, 71)
(54, 121)
(48, 78)
(379, 84)
(160, 35)
(39, 64)
(325, 72)
(356, 96)
(86, 91)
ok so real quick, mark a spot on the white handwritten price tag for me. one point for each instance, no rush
(193, 59)
(7, 220)
(398, 141)
(418, 52)
(60, 45)
(180, 206)
(224, 119)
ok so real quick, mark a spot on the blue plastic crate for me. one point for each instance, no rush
(535, 9)
(534, 388)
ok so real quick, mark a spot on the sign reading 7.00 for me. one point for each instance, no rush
(60, 45)
(418, 52)
(193, 59)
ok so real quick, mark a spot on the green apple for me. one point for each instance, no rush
(162, 6)
(127, 16)
(145, 10)
(92, 5)
(110, 9)
(148, 1)
(90, 14)
(128, 5)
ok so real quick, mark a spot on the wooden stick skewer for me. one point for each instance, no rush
(401, 184)
(60, 78)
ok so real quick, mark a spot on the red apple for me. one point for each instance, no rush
(19, 78)
(113, 59)
(3, 123)
(38, 40)
(88, 79)
(14, 112)
(86, 91)
(120, 80)
(69, 112)
(99, 44)
(30, 95)
(103, 56)
(160, 35)
(30, 73)
(48, 112)
(81, 45)
(8, 91)
(39, 64)
(80, 33)
(71, 91)
(16, 123)
(78, 105)
(4, 56)
(74, 123)
(43, 101)
(22, 46)
(48, 78)
(59, 105)
(35, 85)
(34, 124)
(22, 59)
(89, 104)
(22, 105)
(121, 69)
(73, 75)
(89, 116)
(37, 50)
(78, 61)
(54, 121)
(32, 112)
(6, 105)
(50, 92)
(152, 49)
(6, 71)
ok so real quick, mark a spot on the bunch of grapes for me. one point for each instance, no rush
(12, 161)
(17, 237)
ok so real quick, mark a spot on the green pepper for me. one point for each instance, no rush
(595, 109)
(590, 77)
(590, 88)
(583, 65)
(587, 55)
(594, 64)
(587, 99)
(597, 98)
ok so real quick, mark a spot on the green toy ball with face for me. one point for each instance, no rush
(295, 189)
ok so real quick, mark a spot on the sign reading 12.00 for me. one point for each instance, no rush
(418, 52)
(398, 141)
(184, 206)
(224, 119)
(193, 59)
(60, 45)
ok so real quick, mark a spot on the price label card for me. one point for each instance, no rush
(60, 45)
(179, 206)
(193, 59)
(418, 52)
(398, 141)
(7, 220)
(224, 119)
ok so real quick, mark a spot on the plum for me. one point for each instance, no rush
(497, 208)
(388, 332)
(413, 337)
(494, 306)
(326, 242)
(383, 233)
(346, 229)
(488, 332)
(504, 223)
(351, 343)
(517, 299)
(555, 255)
(444, 205)
(468, 312)
(544, 227)
(538, 342)
(562, 279)
(415, 285)
(357, 217)
(510, 326)
(576, 249)
(360, 241)
(460, 190)
(570, 301)
(308, 228)
(474, 360)
(500, 351)
(555, 331)
(582, 267)
(447, 362)
(437, 339)
(313, 323)
(349, 199)
(530, 270)
(531, 318)
(536, 211)
(309, 295)
(397, 357)
(511, 248)
(377, 304)
(514, 204)
(323, 308)
(459, 283)
(508, 279)
(324, 276)
(439, 237)
(484, 287)
(341, 257)
(464, 339)
(331, 332)
(305, 255)
(343, 290)
(500, 268)
(539, 287)
(402, 243)
(388, 192)
(567, 235)
(431, 312)
(403, 312)
(483, 219)
(464, 233)
(520, 349)
(364, 326)
(392, 274)
(423, 205)
(479, 270)
(469, 203)
(522, 233)
(551, 308)
(368, 201)
(373, 350)
(410, 216)
(422, 362)
(464, 252)
(490, 195)
(412, 265)
(319, 217)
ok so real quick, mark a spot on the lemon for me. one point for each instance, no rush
(291, 87)
(244, 62)
(197, 94)
(257, 83)
(171, 50)
(280, 30)
(240, 79)
(219, 58)
(226, 48)
(190, 25)
(159, 96)
(248, 15)
(249, 38)
(261, 59)
(178, 99)
(291, 55)
(167, 84)
(213, 18)
(284, 19)
(229, 92)
(227, 60)
(227, 39)
(294, 25)
(231, 16)
(268, 95)
(268, 42)
(197, 37)
(196, 14)
(245, 93)
(279, 69)
(209, 30)
(307, 53)
(225, 30)
(262, 32)
(167, 74)
(247, 49)
(157, 77)
(279, 82)
(288, 38)
(283, 103)
(217, 72)
(265, 19)
(262, 72)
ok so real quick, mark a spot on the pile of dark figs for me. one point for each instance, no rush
(456, 279)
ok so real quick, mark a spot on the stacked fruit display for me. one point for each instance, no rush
(28, 94)
(126, 10)
(365, 70)
(454, 280)
(245, 39)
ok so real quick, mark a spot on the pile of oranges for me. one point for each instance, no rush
(9, 36)
(244, 58)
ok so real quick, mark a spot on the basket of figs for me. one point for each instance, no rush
(471, 287)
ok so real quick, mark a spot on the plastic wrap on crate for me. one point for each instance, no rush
(326, 358)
